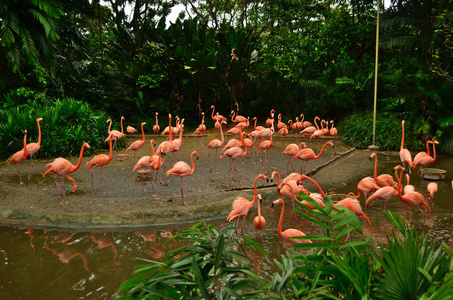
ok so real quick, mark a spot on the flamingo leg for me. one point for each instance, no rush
(18, 171)
(102, 187)
(182, 192)
(215, 162)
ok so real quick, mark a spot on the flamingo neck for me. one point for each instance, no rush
(202, 120)
(232, 117)
(332, 126)
(110, 126)
(143, 134)
(280, 222)
(256, 192)
(316, 123)
(39, 134)
(110, 151)
(375, 167)
(180, 130)
(322, 149)
(303, 118)
(157, 121)
(317, 186)
(74, 168)
(400, 185)
(25, 145)
(427, 147)
(278, 178)
(245, 145)
(352, 194)
(212, 115)
(434, 152)
(121, 125)
(290, 123)
(255, 123)
(259, 210)
(152, 147)
(402, 138)
(170, 131)
(193, 163)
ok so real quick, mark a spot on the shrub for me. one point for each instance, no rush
(66, 125)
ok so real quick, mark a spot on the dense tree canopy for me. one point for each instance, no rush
(311, 57)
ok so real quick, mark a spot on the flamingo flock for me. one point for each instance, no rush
(374, 188)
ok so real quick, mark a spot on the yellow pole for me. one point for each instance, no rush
(376, 73)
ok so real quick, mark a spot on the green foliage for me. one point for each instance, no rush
(66, 125)
(357, 130)
(209, 267)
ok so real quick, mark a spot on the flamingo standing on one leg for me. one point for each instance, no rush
(289, 234)
(155, 162)
(218, 118)
(144, 162)
(414, 199)
(182, 169)
(156, 127)
(216, 144)
(383, 179)
(62, 167)
(405, 155)
(20, 156)
(308, 154)
(241, 206)
(135, 146)
(100, 160)
(32, 148)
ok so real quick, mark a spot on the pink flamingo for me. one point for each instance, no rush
(241, 206)
(383, 179)
(100, 160)
(423, 153)
(218, 118)
(257, 127)
(131, 129)
(259, 220)
(216, 144)
(182, 169)
(405, 155)
(310, 129)
(201, 129)
(266, 146)
(432, 189)
(249, 144)
(116, 134)
(144, 162)
(319, 132)
(135, 146)
(61, 168)
(414, 199)
(425, 160)
(156, 127)
(366, 186)
(291, 150)
(384, 194)
(408, 188)
(291, 234)
(305, 124)
(270, 122)
(280, 124)
(32, 148)
(234, 153)
(236, 118)
(353, 205)
(308, 154)
(20, 156)
(283, 131)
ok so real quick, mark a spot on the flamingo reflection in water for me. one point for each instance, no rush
(104, 241)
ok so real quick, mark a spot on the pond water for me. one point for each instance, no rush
(39, 263)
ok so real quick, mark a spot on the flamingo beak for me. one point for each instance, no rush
(272, 206)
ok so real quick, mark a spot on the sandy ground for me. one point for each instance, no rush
(208, 194)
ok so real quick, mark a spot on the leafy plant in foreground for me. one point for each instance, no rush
(209, 267)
